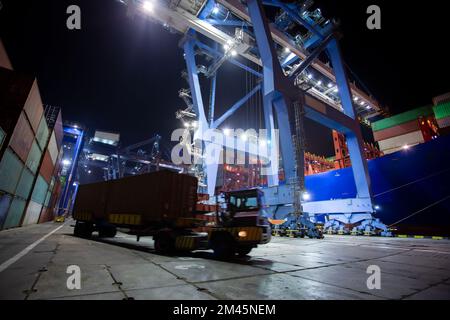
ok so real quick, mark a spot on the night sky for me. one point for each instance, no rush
(123, 75)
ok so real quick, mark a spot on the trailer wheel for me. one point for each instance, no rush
(107, 232)
(223, 246)
(83, 229)
(164, 243)
(243, 251)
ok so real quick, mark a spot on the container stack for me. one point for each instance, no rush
(442, 114)
(405, 130)
(28, 154)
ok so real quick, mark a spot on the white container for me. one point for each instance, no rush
(32, 214)
(409, 139)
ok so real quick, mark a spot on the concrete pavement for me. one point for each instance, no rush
(121, 268)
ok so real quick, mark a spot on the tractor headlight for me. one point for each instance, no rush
(242, 234)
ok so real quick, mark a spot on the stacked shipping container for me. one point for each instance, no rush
(27, 154)
(442, 114)
(405, 129)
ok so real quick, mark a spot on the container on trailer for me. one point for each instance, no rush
(15, 213)
(401, 118)
(32, 213)
(10, 169)
(22, 138)
(25, 184)
(399, 130)
(33, 107)
(157, 196)
(42, 134)
(34, 157)
(5, 202)
(53, 148)
(40, 190)
(47, 167)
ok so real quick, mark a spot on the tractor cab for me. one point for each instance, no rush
(241, 208)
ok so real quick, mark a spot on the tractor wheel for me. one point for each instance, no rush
(164, 243)
(223, 246)
(83, 229)
(107, 232)
(243, 251)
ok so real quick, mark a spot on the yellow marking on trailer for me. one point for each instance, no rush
(419, 237)
(82, 216)
(437, 238)
(402, 236)
(129, 219)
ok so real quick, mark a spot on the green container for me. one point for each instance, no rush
(2, 137)
(34, 157)
(442, 110)
(40, 190)
(42, 134)
(25, 184)
(15, 213)
(401, 118)
(10, 169)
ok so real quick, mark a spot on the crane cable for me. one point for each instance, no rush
(410, 183)
(421, 210)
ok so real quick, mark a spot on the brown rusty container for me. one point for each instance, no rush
(399, 130)
(158, 196)
(33, 107)
(22, 138)
(47, 167)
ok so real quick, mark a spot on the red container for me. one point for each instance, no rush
(47, 167)
(22, 138)
(399, 130)
(156, 196)
(33, 107)
(46, 215)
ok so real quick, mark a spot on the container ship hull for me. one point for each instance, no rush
(411, 188)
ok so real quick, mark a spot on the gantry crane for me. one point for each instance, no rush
(293, 82)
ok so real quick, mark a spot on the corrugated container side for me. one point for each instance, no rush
(59, 130)
(441, 99)
(400, 141)
(401, 118)
(40, 190)
(155, 196)
(397, 149)
(47, 198)
(442, 111)
(15, 213)
(47, 167)
(444, 122)
(22, 138)
(33, 107)
(43, 134)
(53, 148)
(2, 137)
(46, 215)
(399, 130)
(34, 157)
(5, 202)
(32, 213)
(25, 184)
(10, 169)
